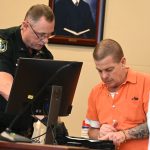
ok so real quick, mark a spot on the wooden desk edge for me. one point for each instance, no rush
(32, 146)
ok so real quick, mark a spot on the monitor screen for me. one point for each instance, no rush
(33, 81)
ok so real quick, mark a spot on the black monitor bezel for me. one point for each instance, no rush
(27, 62)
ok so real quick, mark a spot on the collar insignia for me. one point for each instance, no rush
(3, 45)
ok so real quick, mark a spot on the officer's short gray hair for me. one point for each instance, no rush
(37, 11)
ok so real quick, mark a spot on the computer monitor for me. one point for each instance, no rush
(33, 74)
(33, 81)
(43, 87)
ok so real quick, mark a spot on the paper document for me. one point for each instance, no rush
(80, 138)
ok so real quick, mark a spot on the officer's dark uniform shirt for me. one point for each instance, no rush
(11, 48)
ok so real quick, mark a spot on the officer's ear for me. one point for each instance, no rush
(24, 25)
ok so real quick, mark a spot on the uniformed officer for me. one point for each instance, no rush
(27, 40)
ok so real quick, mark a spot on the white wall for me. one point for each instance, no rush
(128, 22)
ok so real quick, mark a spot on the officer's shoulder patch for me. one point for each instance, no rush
(3, 45)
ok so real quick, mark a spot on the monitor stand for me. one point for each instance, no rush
(53, 114)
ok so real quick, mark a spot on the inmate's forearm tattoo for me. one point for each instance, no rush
(138, 132)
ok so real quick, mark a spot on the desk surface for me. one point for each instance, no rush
(30, 146)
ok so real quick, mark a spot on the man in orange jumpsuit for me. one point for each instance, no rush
(117, 107)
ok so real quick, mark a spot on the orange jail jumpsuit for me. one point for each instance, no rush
(128, 107)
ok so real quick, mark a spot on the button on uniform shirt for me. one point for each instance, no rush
(128, 107)
(11, 48)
